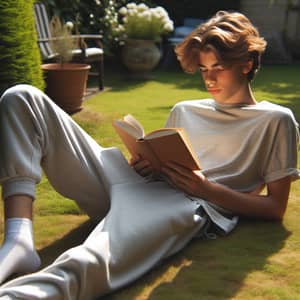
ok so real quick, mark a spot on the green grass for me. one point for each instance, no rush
(259, 260)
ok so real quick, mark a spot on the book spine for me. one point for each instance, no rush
(147, 153)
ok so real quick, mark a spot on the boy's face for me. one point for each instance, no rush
(226, 84)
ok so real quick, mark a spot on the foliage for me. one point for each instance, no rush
(62, 43)
(90, 17)
(138, 21)
(20, 57)
(178, 10)
(66, 10)
(95, 16)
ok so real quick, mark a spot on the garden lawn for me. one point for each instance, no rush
(258, 260)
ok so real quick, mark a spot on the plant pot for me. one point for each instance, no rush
(66, 84)
(140, 56)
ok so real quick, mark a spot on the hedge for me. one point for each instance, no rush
(20, 57)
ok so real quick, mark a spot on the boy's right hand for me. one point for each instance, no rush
(141, 166)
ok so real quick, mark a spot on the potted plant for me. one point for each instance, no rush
(65, 81)
(140, 29)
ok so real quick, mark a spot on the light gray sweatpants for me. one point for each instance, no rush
(144, 221)
(36, 135)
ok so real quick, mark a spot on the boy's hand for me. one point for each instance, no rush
(192, 182)
(141, 166)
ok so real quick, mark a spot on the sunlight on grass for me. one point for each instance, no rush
(168, 276)
(55, 227)
(49, 202)
(259, 260)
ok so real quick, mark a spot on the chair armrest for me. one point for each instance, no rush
(44, 40)
(91, 36)
(83, 37)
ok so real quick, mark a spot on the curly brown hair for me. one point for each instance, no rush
(230, 35)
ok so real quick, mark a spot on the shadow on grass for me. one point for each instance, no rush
(282, 81)
(278, 84)
(279, 80)
(71, 239)
(214, 269)
(123, 80)
(205, 269)
(210, 269)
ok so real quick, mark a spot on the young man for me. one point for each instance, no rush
(242, 145)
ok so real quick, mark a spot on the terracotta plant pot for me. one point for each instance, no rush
(66, 84)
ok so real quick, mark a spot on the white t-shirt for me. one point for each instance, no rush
(240, 146)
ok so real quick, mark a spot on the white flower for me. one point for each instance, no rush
(119, 29)
(145, 15)
(98, 2)
(131, 12)
(168, 27)
(131, 5)
(69, 25)
(142, 22)
(156, 14)
(123, 11)
(142, 7)
(161, 11)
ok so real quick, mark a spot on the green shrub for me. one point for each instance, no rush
(20, 58)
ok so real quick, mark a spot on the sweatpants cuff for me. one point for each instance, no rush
(18, 186)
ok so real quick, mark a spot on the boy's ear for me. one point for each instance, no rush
(248, 66)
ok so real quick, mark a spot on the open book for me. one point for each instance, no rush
(158, 146)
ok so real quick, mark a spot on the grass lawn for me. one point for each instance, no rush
(259, 260)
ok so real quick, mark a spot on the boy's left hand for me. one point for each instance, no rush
(192, 182)
(141, 166)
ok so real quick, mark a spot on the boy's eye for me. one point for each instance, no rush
(216, 68)
(202, 70)
(220, 68)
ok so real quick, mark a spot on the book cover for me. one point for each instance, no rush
(158, 146)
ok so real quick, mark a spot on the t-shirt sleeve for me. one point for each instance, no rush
(174, 118)
(281, 160)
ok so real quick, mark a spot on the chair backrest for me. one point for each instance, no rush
(43, 30)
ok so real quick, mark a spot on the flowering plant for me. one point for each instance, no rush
(138, 21)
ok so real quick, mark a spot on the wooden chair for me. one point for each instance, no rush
(83, 54)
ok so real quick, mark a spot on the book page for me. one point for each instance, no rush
(135, 144)
(136, 124)
(161, 132)
(131, 130)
